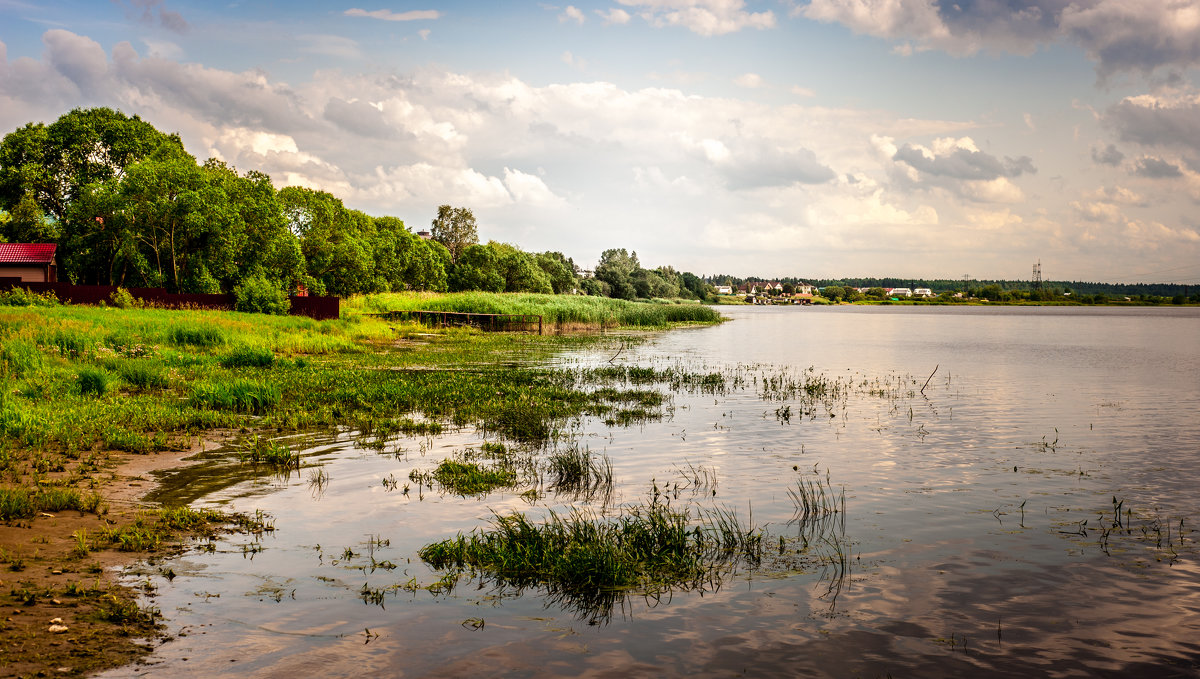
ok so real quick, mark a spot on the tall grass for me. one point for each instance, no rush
(557, 311)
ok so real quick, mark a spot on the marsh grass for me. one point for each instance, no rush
(466, 478)
(560, 312)
(577, 471)
(261, 450)
(588, 563)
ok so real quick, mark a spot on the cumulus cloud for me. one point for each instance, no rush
(330, 46)
(1120, 35)
(1150, 120)
(389, 15)
(572, 13)
(704, 17)
(960, 159)
(1156, 168)
(957, 165)
(613, 17)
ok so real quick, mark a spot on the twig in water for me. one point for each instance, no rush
(929, 378)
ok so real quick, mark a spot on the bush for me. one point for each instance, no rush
(122, 299)
(23, 297)
(256, 294)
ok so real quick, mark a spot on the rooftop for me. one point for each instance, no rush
(27, 253)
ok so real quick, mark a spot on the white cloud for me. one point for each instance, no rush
(330, 46)
(530, 189)
(572, 13)
(749, 80)
(424, 33)
(704, 17)
(163, 49)
(614, 16)
(389, 15)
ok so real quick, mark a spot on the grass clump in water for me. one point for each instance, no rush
(576, 470)
(22, 503)
(589, 562)
(261, 450)
(466, 478)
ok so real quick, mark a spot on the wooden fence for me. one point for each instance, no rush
(320, 308)
(485, 322)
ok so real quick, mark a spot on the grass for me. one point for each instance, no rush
(466, 478)
(579, 472)
(21, 503)
(261, 450)
(588, 562)
(562, 312)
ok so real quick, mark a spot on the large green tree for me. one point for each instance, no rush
(455, 228)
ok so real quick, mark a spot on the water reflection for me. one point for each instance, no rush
(974, 533)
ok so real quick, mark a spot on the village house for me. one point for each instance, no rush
(724, 289)
(30, 262)
(899, 292)
(923, 292)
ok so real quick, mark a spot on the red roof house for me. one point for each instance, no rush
(31, 262)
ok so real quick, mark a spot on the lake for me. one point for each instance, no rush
(1015, 493)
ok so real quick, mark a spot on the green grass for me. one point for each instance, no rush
(466, 478)
(21, 503)
(557, 311)
(588, 562)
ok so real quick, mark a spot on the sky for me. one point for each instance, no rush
(803, 138)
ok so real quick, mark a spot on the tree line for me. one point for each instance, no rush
(129, 206)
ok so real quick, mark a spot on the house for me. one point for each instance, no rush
(923, 292)
(424, 235)
(30, 262)
(724, 289)
(899, 292)
(803, 288)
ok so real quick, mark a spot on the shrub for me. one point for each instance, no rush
(256, 294)
(142, 374)
(122, 299)
(23, 297)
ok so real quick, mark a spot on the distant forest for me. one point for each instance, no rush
(939, 285)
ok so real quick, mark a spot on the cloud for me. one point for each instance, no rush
(1118, 195)
(752, 163)
(144, 11)
(1156, 168)
(358, 117)
(330, 46)
(389, 15)
(703, 17)
(1170, 121)
(1108, 155)
(749, 80)
(960, 159)
(572, 13)
(956, 165)
(1120, 35)
(614, 16)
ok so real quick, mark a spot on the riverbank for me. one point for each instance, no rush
(95, 398)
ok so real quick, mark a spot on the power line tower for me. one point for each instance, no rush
(1037, 275)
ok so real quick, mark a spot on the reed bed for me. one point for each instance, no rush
(562, 312)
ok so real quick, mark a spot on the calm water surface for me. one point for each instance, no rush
(979, 517)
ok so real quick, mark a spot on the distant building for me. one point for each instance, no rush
(923, 292)
(803, 288)
(31, 262)
(724, 289)
(899, 292)
(425, 235)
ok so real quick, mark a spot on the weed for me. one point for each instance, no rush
(93, 381)
(246, 356)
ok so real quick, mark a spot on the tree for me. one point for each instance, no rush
(616, 268)
(477, 269)
(561, 271)
(82, 147)
(455, 228)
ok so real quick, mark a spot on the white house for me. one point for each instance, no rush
(724, 289)
(899, 292)
(923, 292)
(803, 288)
